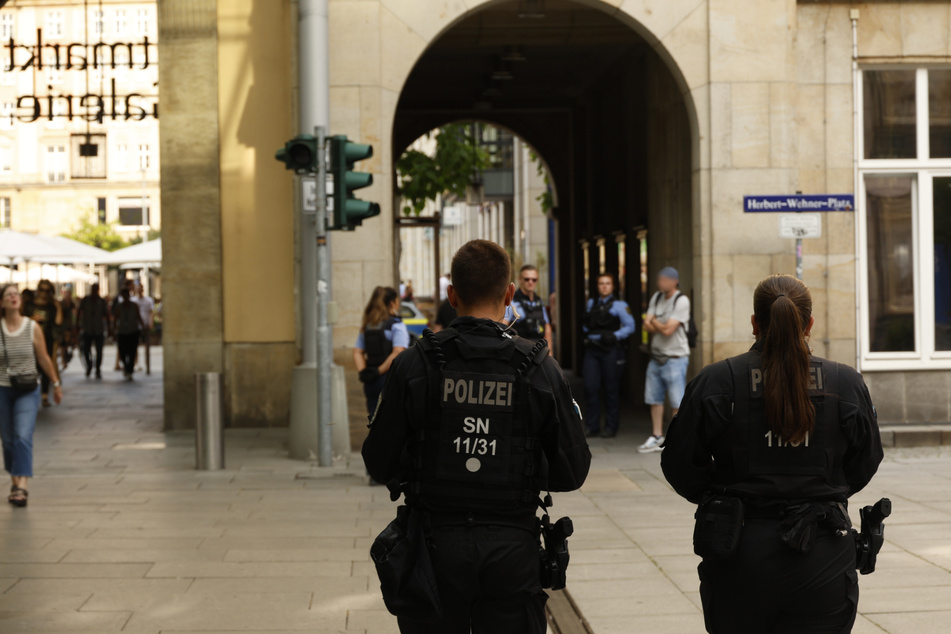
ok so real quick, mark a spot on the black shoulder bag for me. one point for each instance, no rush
(19, 383)
(402, 559)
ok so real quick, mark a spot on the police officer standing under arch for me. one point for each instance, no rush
(607, 322)
(532, 321)
(473, 423)
(771, 444)
(383, 335)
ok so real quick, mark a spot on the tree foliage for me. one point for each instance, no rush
(103, 236)
(451, 168)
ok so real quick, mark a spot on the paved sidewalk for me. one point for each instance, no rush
(123, 535)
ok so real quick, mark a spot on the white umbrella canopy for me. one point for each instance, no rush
(73, 251)
(17, 245)
(54, 272)
(147, 254)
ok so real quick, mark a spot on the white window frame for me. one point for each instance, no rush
(7, 114)
(6, 160)
(122, 22)
(56, 159)
(142, 22)
(145, 157)
(54, 24)
(7, 25)
(922, 171)
(6, 212)
(122, 157)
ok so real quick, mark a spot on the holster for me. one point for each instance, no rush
(719, 524)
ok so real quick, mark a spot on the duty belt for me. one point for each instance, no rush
(458, 520)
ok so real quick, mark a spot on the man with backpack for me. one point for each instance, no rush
(668, 321)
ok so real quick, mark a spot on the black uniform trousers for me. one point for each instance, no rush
(602, 368)
(489, 582)
(768, 588)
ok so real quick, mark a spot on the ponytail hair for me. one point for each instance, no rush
(378, 308)
(783, 306)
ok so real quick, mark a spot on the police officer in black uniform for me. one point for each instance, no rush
(771, 444)
(473, 423)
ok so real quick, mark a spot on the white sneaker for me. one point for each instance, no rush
(653, 443)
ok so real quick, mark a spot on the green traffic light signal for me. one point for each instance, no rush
(349, 212)
(299, 154)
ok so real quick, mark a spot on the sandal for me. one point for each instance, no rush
(18, 496)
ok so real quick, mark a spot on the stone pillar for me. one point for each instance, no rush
(191, 257)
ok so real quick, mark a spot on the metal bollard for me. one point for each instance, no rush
(209, 427)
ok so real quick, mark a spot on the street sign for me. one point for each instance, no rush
(800, 226)
(799, 202)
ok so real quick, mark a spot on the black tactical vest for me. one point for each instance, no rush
(376, 346)
(600, 319)
(753, 460)
(531, 324)
(476, 449)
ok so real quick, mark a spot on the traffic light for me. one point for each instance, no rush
(349, 212)
(299, 154)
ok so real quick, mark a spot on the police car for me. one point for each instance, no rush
(416, 322)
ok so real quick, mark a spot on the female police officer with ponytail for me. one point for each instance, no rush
(383, 335)
(771, 444)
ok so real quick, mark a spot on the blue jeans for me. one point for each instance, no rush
(668, 380)
(602, 368)
(17, 422)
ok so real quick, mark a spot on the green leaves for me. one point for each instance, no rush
(103, 236)
(455, 163)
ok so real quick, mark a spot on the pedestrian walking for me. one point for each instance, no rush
(48, 314)
(472, 424)
(444, 281)
(528, 312)
(146, 306)
(383, 335)
(607, 322)
(69, 336)
(93, 319)
(667, 319)
(771, 444)
(114, 314)
(129, 329)
(24, 353)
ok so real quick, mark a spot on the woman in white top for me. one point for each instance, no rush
(22, 348)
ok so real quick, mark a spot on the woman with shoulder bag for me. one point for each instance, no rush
(772, 444)
(23, 349)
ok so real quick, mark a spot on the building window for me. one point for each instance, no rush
(54, 25)
(5, 213)
(145, 158)
(97, 22)
(142, 22)
(101, 210)
(122, 158)
(7, 114)
(6, 160)
(55, 163)
(121, 22)
(6, 26)
(905, 218)
(134, 212)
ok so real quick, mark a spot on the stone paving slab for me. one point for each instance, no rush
(123, 535)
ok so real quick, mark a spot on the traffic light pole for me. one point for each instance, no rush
(324, 333)
(310, 430)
